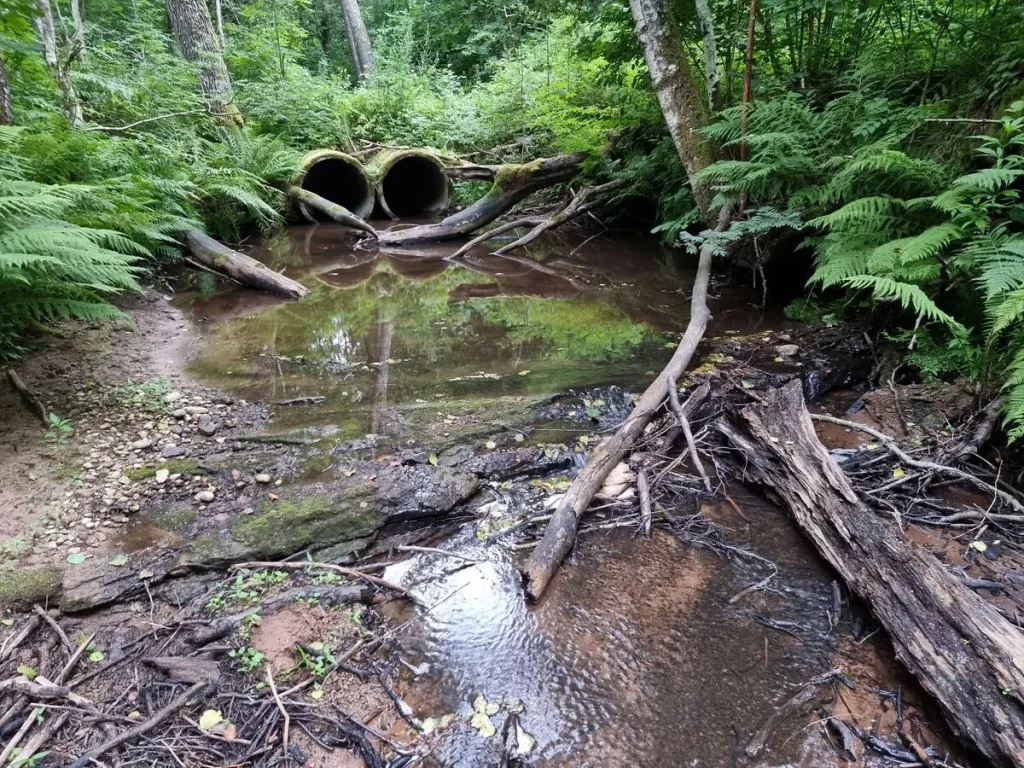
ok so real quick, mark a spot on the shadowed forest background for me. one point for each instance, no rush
(878, 153)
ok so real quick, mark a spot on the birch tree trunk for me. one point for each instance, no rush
(6, 113)
(61, 69)
(707, 29)
(219, 14)
(358, 40)
(78, 40)
(193, 32)
(681, 104)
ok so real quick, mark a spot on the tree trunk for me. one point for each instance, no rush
(78, 39)
(560, 535)
(707, 29)
(358, 40)
(193, 32)
(6, 113)
(684, 110)
(512, 183)
(61, 69)
(748, 76)
(960, 649)
(239, 267)
(333, 211)
(219, 16)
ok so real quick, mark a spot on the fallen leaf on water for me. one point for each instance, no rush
(210, 719)
(483, 725)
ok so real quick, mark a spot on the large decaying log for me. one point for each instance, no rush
(333, 211)
(238, 266)
(960, 649)
(512, 184)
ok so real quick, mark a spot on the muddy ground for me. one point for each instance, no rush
(131, 519)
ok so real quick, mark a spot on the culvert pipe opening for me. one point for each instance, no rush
(412, 184)
(339, 178)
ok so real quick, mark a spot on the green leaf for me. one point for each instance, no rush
(211, 718)
(27, 672)
(76, 558)
(433, 459)
(118, 560)
(96, 657)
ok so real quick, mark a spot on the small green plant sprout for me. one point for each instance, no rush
(251, 620)
(247, 659)
(58, 429)
(315, 658)
(216, 603)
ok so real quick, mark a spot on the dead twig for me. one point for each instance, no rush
(351, 572)
(143, 728)
(29, 397)
(931, 466)
(280, 707)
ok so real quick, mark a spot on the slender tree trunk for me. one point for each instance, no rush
(193, 32)
(219, 14)
(358, 40)
(684, 110)
(685, 113)
(707, 29)
(61, 69)
(78, 39)
(6, 113)
(748, 75)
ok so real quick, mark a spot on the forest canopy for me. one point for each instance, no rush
(880, 140)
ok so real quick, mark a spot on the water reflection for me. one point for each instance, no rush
(386, 329)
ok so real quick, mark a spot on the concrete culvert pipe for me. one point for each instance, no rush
(339, 178)
(410, 182)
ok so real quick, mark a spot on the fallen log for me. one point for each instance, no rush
(560, 534)
(333, 211)
(512, 184)
(962, 651)
(240, 267)
(585, 201)
(29, 397)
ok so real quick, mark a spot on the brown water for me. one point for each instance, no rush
(635, 657)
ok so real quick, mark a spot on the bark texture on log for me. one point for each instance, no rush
(960, 649)
(333, 211)
(358, 40)
(512, 183)
(240, 267)
(193, 32)
(684, 110)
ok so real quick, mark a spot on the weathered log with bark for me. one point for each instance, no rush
(512, 183)
(333, 211)
(560, 534)
(245, 269)
(960, 649)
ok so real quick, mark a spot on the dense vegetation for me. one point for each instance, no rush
(882, 140)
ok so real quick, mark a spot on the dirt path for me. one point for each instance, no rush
(109, 384)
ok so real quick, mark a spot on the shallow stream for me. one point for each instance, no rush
(642, 653)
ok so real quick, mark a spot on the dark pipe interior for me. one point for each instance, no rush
(341, 183)
(414, 186)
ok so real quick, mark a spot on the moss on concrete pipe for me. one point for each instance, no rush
(339, 178)
(409, 182)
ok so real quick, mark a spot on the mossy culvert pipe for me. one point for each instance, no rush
(339, 178)
(410, 182)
